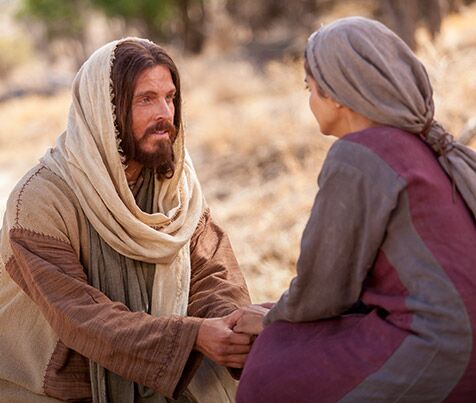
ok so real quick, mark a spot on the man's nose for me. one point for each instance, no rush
(164, 110)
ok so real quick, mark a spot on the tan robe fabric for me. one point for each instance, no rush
(44, 255)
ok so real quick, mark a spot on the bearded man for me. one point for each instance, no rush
(115, 281)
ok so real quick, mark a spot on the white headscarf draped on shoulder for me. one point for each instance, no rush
(86, 156)
(364, 66)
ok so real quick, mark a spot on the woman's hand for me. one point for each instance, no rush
(251, 320)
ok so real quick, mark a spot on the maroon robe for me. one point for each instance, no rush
(387, 232)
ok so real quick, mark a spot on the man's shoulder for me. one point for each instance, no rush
(40, 200)
(39, 185)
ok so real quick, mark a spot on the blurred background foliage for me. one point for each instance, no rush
(13, 52)
(265, 28)
(158, 20)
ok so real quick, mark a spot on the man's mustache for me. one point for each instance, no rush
(162, 125)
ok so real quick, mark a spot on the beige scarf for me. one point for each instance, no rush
(363, 65)
(86, 156)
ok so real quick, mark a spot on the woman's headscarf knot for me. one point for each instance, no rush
(438, 139)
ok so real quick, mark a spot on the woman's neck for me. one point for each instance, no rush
(354, 122)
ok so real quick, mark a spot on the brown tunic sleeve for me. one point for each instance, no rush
(148, 350)
(217, 285)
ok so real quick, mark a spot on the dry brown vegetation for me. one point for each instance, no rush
(255, 144)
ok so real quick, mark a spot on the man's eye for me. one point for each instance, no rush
(145, 100)
(170, 97)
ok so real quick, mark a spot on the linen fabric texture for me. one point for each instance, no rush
(86, 156)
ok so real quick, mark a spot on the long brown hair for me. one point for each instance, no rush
(132, 57)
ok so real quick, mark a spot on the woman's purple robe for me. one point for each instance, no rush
(384, 302)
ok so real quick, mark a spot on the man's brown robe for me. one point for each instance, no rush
(52, 321)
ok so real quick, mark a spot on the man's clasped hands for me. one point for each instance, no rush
(228, 340)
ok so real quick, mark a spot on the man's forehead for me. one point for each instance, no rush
(157, 77)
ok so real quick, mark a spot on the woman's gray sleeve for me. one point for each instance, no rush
(358, 192)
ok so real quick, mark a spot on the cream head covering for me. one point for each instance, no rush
(86, 156)
(364, 66)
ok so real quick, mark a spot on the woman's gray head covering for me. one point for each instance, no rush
(364, 66)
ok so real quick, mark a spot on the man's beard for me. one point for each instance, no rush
(161, 156)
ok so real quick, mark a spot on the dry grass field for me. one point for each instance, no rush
(256, 146)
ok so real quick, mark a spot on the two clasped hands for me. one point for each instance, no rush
(228, 340)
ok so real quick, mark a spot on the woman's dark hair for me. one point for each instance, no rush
(132, 57)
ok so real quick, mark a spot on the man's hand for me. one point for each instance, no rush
(251, 320)
(217, 341)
